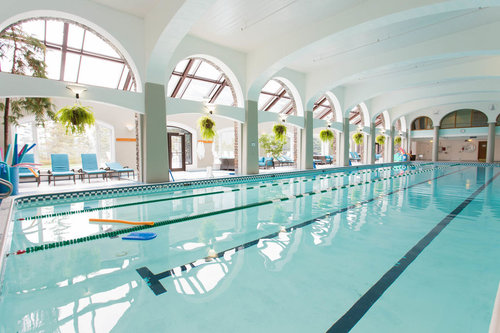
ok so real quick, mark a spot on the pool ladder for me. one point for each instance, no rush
(9, 185)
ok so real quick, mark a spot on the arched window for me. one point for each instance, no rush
(323, 109)
(74, 53)
(421, 123)
(380, 122)
(356, 116)
(397, 126)
(197, 79)
(52, 139)
(464, 118)
(276, 97)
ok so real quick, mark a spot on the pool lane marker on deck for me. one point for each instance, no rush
(153, 280)
(87, 210)
(116, 233)
(361, 307)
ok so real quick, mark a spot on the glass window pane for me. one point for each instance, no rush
(25, 134)
(123, 78)
(75, 37)
(181, 66)
(263, 101)
(172, 83)
(272, 87)
(94, 44)
(99, 72)
(53, 61)
(105, 141)
(280, 105)
(463, 118)
(479, 119)
(194, 66)
(448, 121)
(34, 28)
(71, 67)
(197, 90)
(55, 32)
(208, 71)
(225, 97)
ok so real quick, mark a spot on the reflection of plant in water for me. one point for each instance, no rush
(207, 231)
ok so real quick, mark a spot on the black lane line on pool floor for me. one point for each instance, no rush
(153, 280)
(361, 307)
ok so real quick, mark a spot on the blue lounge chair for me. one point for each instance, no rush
(283, 160)
(119, 169)
(60, 168)
(25, 172)
(265, 162)
(90, 167)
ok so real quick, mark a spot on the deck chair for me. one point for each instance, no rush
(25, 172)
(119, 169)
(60, 168)
(90, 167)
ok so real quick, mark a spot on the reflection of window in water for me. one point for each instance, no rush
(324, 230)
(278, 251)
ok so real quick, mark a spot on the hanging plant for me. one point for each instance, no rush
(397, 140)
(279, 131)
(358, 138)
(326, 135)
(380, 139)
(207, 127)
(75, 118)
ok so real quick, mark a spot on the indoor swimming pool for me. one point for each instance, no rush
(404, 248)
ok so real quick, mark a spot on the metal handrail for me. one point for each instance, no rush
(9, 185)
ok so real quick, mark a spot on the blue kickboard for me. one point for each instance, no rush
(140, 236)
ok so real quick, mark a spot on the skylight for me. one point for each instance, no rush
(274, 97)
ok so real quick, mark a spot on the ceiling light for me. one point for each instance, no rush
(76, 89)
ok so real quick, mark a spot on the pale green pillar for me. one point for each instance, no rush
(250, 140)
(390, 145)
(490, 148)
(307, 141)
(435, 144)
(345, 142)
(372, 143)
(154, 131)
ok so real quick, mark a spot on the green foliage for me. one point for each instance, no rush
(326, 135)
(279, 131)
(380, 139)
(28, 58)
(207, 127)
(358, 138)
(271, 145)
(75, 118)
(397, 140)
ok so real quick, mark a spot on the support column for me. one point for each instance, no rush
(338, 148)
(390, 144)
(408, 142)
(435, 144)
(250, 140)
(307, 141)
(345, 142)
(490, 148)
(154, 131)
(371, 146)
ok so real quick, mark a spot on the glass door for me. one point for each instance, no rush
(176, 152)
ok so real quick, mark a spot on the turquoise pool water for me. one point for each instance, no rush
(403, 249)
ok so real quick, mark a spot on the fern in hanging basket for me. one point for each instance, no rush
(75, 118)
(207, 127)
(358, 138)
(326, 135)
(279, 131)
(380, 139)
(397, 140)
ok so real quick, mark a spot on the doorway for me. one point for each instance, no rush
(177, 152)
(481, 152)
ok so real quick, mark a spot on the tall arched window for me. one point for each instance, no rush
(276, 97)
(421, 123)
(74, 53)
(356, 116)
(464, 118)
(198, 79)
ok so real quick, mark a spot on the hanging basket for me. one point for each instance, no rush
(357, 138)
(380, 139)
(279, 131)
(207, 127)
(397, 140)
(75, 118)
(326, 135)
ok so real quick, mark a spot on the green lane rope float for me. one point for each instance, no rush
(116, 233)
